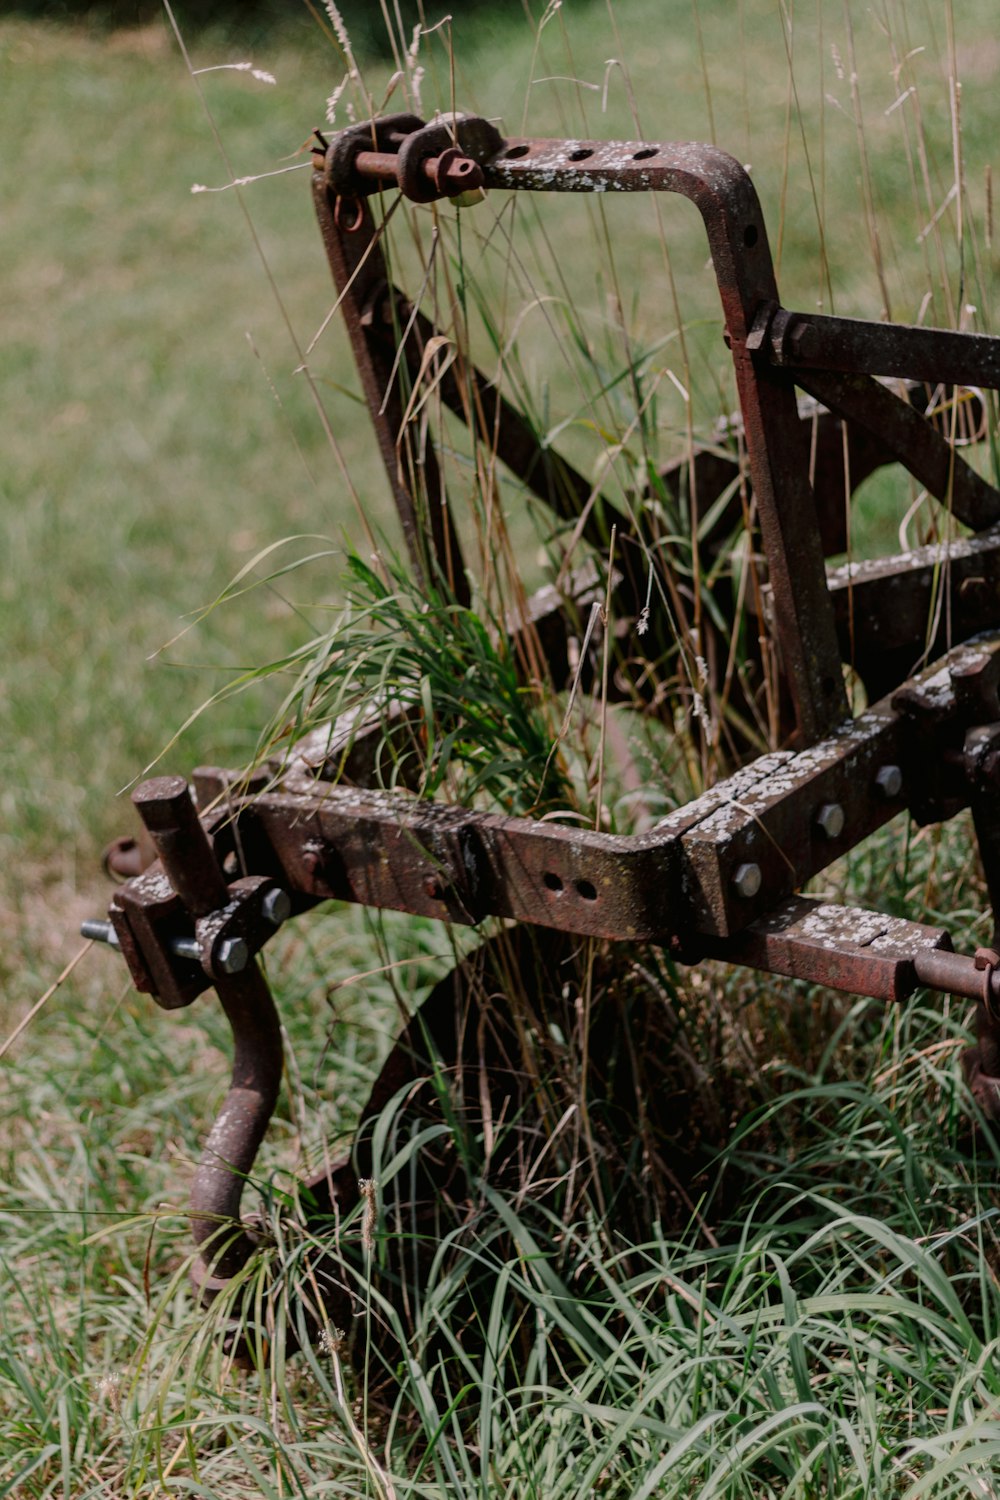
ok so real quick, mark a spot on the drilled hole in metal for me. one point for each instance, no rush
(645, 153)
(750, 236)
(585, 889)
(516, 151)
(582, 154)
(552, 882)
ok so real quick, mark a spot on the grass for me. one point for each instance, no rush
(822, 1317)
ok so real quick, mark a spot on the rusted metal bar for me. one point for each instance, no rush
(912, 440)
(814, 341)
(844, 948)
(188, 859)
(449, 174)
(707, 870)
(359, 273)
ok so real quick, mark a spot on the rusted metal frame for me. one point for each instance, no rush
(568, 493)
(687, 877)
(769, 834)
(359, 272)
(189, 863)
(833, 469)
(723, 193)
(710, 868)
(982, 764)
(940, 356)
(912, 441)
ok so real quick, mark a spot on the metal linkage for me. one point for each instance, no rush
(142, 913)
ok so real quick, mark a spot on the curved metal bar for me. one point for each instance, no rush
(239, 1128)
(725, 197)
(168, 811)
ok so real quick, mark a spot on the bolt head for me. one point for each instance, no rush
(747, 880)
(889, 782)
(276, 907)
(830, 820)
(231, 956)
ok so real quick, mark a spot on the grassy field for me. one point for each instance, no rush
(833, 1329)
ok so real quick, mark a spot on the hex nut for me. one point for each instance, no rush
(231, 956)
(747, 880)
(830, 820)
(889, 782)
(276, 907)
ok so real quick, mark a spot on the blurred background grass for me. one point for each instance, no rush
(150, 450)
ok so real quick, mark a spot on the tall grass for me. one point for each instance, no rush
(750, 1251)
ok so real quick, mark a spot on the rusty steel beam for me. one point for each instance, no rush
(940, 356)
(845, 948)
(706, 870)
(912, 441)
(358, 267)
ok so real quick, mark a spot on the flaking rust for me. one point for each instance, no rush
(720, 877)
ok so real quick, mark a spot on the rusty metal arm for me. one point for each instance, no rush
(912, 441)
(188, 861)
(939, 356)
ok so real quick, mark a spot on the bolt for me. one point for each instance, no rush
(276, 907)
(98, 931)
(747, 880)
(231, 956)
(889, 782)
(830, 820)
(103, 932)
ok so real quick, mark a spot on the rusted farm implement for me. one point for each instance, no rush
(720, 876)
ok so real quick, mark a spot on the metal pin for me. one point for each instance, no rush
(103, 932)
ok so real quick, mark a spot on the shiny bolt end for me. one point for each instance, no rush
(276, 907)
(98, 931)
(830, 820)
(889, 782)
(747, 880)
(231, 956)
